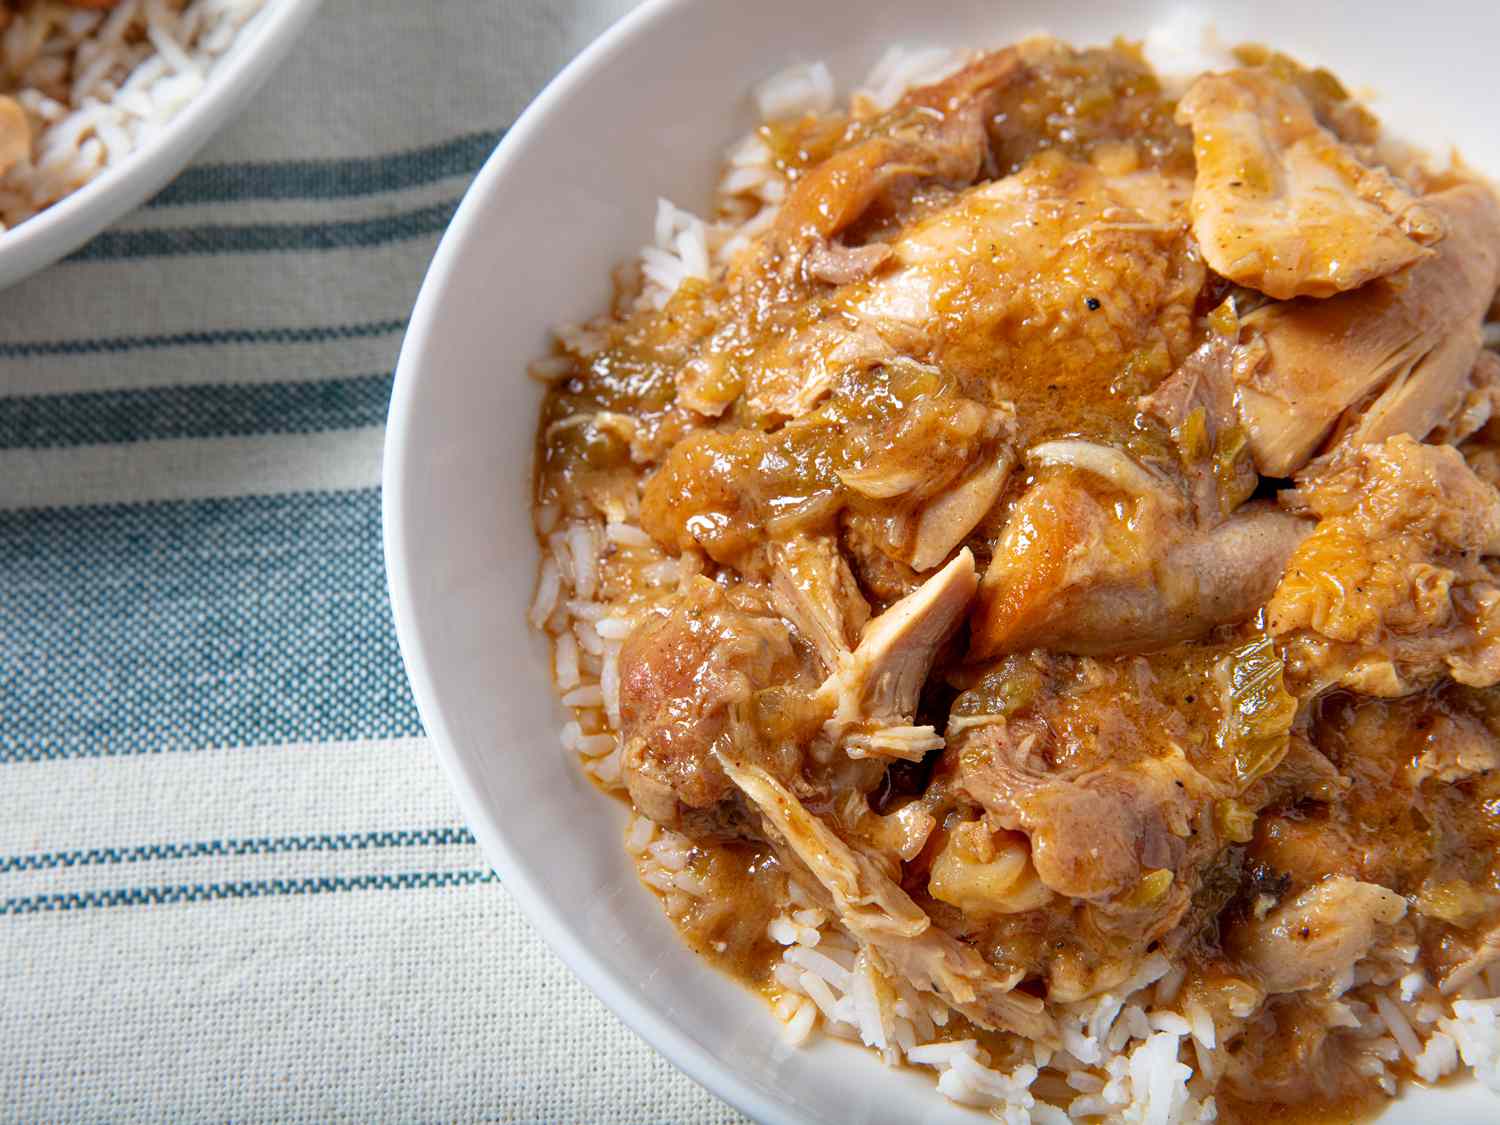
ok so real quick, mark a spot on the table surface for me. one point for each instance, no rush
(233, 884)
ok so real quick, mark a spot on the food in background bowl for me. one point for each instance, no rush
(1029, 562)
(86, 82)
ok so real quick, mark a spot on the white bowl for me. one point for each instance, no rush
(647, 111)
(73, 220)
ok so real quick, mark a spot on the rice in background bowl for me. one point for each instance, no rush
(105, 103)
(96, 83)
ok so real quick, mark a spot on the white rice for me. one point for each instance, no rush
(97, 85)
(900, 68)
(548, 588)
(1475, 1028)
(800, 89)
(681, 251)
(565, 661)
(1183, 46)
(591, 643)
(628, 535)
(1399, 1027)
(1438, 1058)
(613, 628)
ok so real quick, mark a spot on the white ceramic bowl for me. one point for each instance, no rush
(72, 221)
(647, 111)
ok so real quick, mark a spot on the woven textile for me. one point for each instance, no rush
(233, 885)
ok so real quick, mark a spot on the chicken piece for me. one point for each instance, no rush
(1457, 747)
(1474, 411)
(686, 679)
(839, 265)
(1484, 955)
(880, 681)
(986, 873)
(942, 524)
(1390, 592)
(1044, 283)
(795, 373)
(885, 920)
(812, 588)
(919, 461)
(15, 134)
(932, 476)
(1097, 836)
(935, 133)
(1281, 205)
(1111, 783)
(899, 468)
(1309, 942)
(1047, 280)
(1105, 560)
(703, 498)
(1196, 402)
(883, 578)
(1392, 357)
(1407, 809)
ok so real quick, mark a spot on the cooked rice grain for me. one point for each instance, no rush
(96, 86)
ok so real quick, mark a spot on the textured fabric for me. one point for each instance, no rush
(233, 885)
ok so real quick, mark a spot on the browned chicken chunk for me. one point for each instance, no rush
(1086, 565)
(688, 679)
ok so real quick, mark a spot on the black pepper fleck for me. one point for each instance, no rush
(1093, 303)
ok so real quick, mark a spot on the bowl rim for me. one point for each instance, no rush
(636, 1013)
(64, 226)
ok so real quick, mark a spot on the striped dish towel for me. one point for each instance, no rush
(233, 885)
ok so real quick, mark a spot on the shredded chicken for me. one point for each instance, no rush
(880, 913)
(684, 678)
(814, 590)
(881, 679)
(1197, 402)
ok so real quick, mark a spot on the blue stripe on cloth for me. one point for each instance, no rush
(207, 410)
(329, 179)
(108, 345)
(262, 845)
(259, 888)
(265, 238)
(138, 629)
